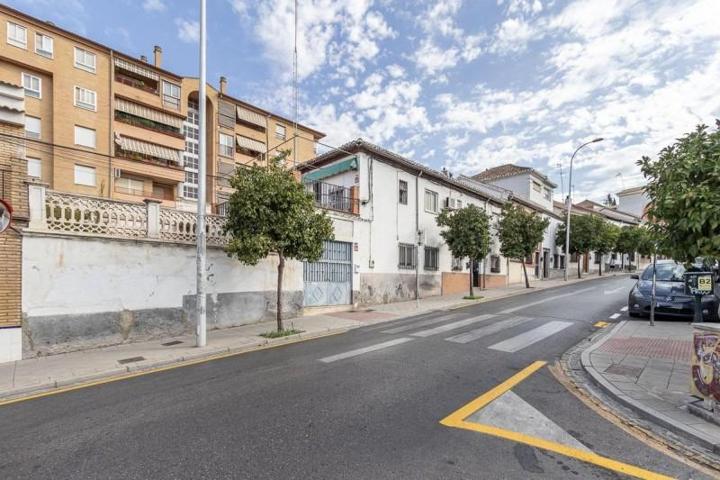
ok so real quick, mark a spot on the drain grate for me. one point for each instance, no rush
(170, 344)
(130, 360)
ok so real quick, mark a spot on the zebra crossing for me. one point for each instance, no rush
(533, 330)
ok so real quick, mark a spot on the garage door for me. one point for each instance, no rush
(329, 281)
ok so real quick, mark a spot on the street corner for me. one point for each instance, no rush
(503, 413)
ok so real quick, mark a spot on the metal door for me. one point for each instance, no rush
(329, 281)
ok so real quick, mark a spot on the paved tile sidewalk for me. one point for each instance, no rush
(43, 373)
(648, 369)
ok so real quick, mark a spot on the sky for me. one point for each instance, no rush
(464, 85)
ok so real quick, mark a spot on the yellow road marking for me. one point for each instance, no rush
(126, 376)
(457, 420)
(601, 324)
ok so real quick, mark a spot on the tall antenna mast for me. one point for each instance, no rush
(562, 189)
(295, 88)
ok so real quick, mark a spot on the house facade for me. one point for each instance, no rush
(633, 201)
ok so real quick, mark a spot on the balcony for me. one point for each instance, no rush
(335, 197)
(148, 125)
(146, 85)
(162, 193)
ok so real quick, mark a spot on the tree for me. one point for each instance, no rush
(520, 232)
(270, 212)
(684, 192)
(467, 234)
(605, 239)
(582, 236)
(628, 242)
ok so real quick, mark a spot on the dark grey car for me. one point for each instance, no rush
(669, 292)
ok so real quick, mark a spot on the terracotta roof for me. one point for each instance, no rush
(509, 170)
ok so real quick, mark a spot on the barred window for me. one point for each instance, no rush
(406, 257)
(494, 263)
(431, 258)
(403, 192)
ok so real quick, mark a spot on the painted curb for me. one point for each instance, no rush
(192, 359)
(641, 409)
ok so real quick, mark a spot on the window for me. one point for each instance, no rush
(85, 137)
(85, 98)
(494, 263)
(131, 186)
(171, 94)
(34, 167)
(403, 192)
(458, 204)
(456, 264)
(598, 258)
(192, 161)
(32, 127)
(190, 188)
(16, 35)
(85, 60)
(431, 201)
(280, 131)
(431, 258)
(32, 85)
(44, 45)
(537, 187)
(227, 145)
(548, 194)
(406, 258)
(84, 175)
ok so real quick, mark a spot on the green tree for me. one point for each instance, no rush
(605, 239)
(520, 232)
(467, 234)
(582, 237)
(684, 191)
(628, 242)
(271, 212)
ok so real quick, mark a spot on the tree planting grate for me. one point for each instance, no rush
(130, 360)
(170, 344)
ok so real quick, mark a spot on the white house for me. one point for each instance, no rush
(387, 244)
(633, 201)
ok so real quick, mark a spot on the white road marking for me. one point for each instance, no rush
(614, 316)
(452, 326)
(360, 351)
(488, 330)
(422, 323)
(548, 299)
(624, 309)
(610, 292)
(526, 339)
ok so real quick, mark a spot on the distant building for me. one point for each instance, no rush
(634, 201)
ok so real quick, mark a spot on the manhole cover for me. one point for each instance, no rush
(624, 370)
(130, 360)
(170, 344)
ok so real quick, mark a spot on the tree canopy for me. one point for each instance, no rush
(582, 236)
(271, 212)
(605, 238)
(466, 232)
(684, 191)
(520, 232)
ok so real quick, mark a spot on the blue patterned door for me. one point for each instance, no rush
(329, 281)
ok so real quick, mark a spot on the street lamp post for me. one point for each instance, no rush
(201, 300)
(568, 206)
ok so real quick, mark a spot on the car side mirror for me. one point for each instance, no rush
(635, 276)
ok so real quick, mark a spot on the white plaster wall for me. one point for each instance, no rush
(68, 275)
(634, 204)
(10, 344)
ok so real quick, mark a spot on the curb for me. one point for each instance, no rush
(639, 408)
(131, 371)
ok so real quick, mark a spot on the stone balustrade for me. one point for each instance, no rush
(66, 213)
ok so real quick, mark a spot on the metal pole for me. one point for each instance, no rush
(201, 330)
(652, 295)
(569, 207)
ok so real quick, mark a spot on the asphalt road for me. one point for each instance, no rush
(283, 413)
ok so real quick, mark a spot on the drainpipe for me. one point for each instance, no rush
(417, 240)
(111, 135)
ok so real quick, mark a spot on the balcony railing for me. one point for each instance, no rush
(135, 83)
(334, 197)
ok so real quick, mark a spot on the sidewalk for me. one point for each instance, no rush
(39, 374)
(648, 369)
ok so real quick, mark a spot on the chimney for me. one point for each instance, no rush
(157, 53)
(223, 85)
(143, 58)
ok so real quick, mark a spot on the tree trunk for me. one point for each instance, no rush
(600, 266)
(281, 268)
(622, 262)
(527, 282)
(578, 260)
(472, 293)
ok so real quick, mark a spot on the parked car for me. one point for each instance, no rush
(669, 293)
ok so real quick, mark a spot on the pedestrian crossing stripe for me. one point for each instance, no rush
(459, 419)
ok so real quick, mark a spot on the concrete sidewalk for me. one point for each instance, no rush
(39, 374)
(648, 369)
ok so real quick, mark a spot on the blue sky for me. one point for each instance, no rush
(459, 84)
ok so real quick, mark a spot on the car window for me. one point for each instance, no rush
(666, 272)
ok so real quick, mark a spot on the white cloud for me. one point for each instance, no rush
(240, 7)
(395, 70)
(512, 35)
(188, 30)
(154, 6)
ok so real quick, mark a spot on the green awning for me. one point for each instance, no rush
(324, 172)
